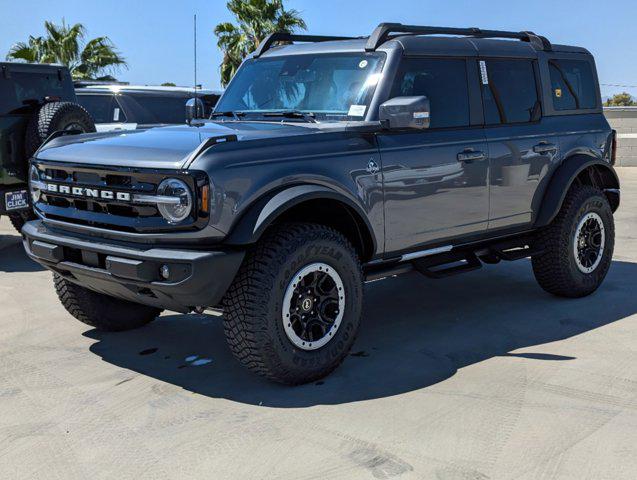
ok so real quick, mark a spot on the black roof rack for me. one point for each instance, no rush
(266, 44)
(384, 32)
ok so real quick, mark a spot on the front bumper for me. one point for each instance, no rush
(197, 278)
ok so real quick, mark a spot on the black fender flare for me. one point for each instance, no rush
(563, 178)
(268, 208)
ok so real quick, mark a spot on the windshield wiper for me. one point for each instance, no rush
(308, 117)
(229, 113)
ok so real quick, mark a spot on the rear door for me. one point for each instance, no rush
(435, 180)
(523, 147)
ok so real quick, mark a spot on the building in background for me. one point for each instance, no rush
(624, 120)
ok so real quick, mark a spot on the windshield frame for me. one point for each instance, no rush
(374, 77)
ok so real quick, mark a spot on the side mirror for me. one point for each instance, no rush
(194, 109)
(405, 112)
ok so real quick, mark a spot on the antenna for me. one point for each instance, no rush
(195, 38)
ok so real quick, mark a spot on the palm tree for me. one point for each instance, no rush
(256, 20)
(92, 60)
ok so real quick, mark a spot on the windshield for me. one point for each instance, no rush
(331, 86)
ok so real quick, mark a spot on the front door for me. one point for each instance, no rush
(436, 180)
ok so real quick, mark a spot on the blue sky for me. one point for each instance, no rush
(156, 36)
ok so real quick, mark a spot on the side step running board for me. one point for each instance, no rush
(445, 261)
(449, 264)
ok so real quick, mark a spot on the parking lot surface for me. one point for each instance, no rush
(480, 376)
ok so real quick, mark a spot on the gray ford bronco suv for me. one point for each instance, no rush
(329, 162)
(36, 100)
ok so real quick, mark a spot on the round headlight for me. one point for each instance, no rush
(177, 209)
(34, 184)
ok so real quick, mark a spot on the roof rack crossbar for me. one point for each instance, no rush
(384, 32)
(271, 39)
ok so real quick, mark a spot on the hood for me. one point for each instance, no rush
(162, 147)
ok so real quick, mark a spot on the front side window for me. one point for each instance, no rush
(509, 91)
(572, 85)
(443, 82)
(157, 108)
(330, 86)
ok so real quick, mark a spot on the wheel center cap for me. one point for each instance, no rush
(307, 304)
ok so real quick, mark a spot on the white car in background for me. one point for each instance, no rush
(129, 107)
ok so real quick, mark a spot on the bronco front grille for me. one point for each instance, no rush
(119, 211)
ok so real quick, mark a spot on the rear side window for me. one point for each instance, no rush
(103, 108)
(572, 85)
(509, 91)
(443, 82)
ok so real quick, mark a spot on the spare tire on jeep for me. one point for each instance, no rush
(52, 117)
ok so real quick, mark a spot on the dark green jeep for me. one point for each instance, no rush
(35, 101)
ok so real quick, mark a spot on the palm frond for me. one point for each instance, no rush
(256, 19)
(65, 44)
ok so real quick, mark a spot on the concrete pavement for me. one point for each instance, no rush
(481, 376)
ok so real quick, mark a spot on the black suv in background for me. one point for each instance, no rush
(35, 101)
(127, 107)
(330, 162)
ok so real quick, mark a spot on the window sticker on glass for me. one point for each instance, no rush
(558, 92)
(116, 115)
(357, 110)
(483, 72)
(362, 64)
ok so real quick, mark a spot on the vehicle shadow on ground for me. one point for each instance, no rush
(13, 258)
(415, 333)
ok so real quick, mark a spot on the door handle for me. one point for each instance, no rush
(545, 147)
(471, 156)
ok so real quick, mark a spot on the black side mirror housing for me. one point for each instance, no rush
(194, 109)
(401, 113)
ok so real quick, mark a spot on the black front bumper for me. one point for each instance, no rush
(196, 278)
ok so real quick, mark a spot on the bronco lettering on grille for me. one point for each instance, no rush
(88, 192)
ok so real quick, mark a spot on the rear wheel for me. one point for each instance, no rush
(577, 248)
(293, 311)
(102, 311)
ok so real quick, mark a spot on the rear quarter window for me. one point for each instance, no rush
(572, 85)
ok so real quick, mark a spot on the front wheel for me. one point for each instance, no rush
(294, 309)
(577, 247)
(101, 311)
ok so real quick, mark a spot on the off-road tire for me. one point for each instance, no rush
(19, 219)
(102, 311)
(52, 117)
(253, 305)
(556, 269)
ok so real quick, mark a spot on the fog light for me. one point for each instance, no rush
(164, 271)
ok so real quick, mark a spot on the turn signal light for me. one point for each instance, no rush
(205, 199)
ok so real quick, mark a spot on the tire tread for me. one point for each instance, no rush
(245, 321)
